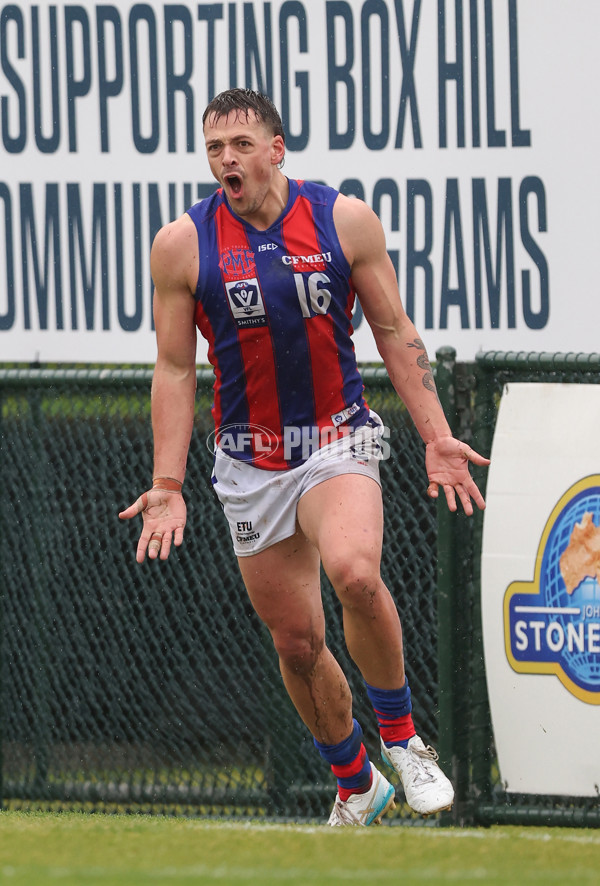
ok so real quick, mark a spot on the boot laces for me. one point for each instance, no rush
(342, 814)
(420, 760)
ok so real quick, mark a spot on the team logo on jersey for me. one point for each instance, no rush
(236, 262)
(338, 418)
(246, 303)
(552, 624)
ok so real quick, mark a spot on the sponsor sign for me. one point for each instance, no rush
(552, 624)
(452, 120)
(541, 588)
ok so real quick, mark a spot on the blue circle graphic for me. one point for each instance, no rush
(582, 666)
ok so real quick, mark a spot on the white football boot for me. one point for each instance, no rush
(364, 809)
(426, 787)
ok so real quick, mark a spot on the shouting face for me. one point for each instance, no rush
(244, 157)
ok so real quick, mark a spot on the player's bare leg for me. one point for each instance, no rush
(343, 517)
(283, 583)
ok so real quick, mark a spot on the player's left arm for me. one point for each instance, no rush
(404, 354)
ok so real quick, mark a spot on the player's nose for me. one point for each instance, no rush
(228, 157)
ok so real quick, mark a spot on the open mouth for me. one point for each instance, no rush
(235, 183)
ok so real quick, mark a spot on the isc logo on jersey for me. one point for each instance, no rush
(552, 624)
(246, 302)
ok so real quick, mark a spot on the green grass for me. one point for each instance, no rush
(75, 849)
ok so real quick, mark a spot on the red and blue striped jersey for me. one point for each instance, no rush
(275, 307)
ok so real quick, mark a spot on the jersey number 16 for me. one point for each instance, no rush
(313, 297)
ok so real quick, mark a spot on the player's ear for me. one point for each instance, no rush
(277, 150)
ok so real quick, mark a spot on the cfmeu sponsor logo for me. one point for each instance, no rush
(316, 262)
(244, 441)
(552, 624)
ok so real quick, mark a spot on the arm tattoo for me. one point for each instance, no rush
(424, 364)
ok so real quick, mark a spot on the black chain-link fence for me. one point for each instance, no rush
(154, 687)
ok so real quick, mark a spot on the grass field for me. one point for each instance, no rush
(75, 849)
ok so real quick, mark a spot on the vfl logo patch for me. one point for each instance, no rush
(246, 303)
(552, 624)
(338, 418)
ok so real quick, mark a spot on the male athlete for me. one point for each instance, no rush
(267, 269)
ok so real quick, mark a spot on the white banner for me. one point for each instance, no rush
(540, 586)
(468, 126)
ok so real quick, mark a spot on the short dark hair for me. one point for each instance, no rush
(243, 101)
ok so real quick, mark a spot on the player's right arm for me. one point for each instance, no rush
(174, 267)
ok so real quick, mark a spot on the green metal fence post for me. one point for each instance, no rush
(446, 595)
(484, 420)
(2, 593)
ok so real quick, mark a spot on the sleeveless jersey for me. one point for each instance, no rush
(275, 307)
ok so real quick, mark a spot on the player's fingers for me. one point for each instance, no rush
(155, 544)
(140, 554)
(475, 457)
(465, 499)
(477, 496)
(432, 490)
(139, 505)
(450, 497)
(129, 512)
(178, 539)
(165, 549)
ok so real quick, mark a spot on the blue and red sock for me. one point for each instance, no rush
(393, 711)
(349, 763)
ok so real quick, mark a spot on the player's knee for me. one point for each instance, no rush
(357, 581)
(298, 652)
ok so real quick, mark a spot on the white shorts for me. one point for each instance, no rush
(261, 505)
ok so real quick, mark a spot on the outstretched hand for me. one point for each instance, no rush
(164, 514)
(447, 464)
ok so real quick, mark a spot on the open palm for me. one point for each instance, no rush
(447, 464)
